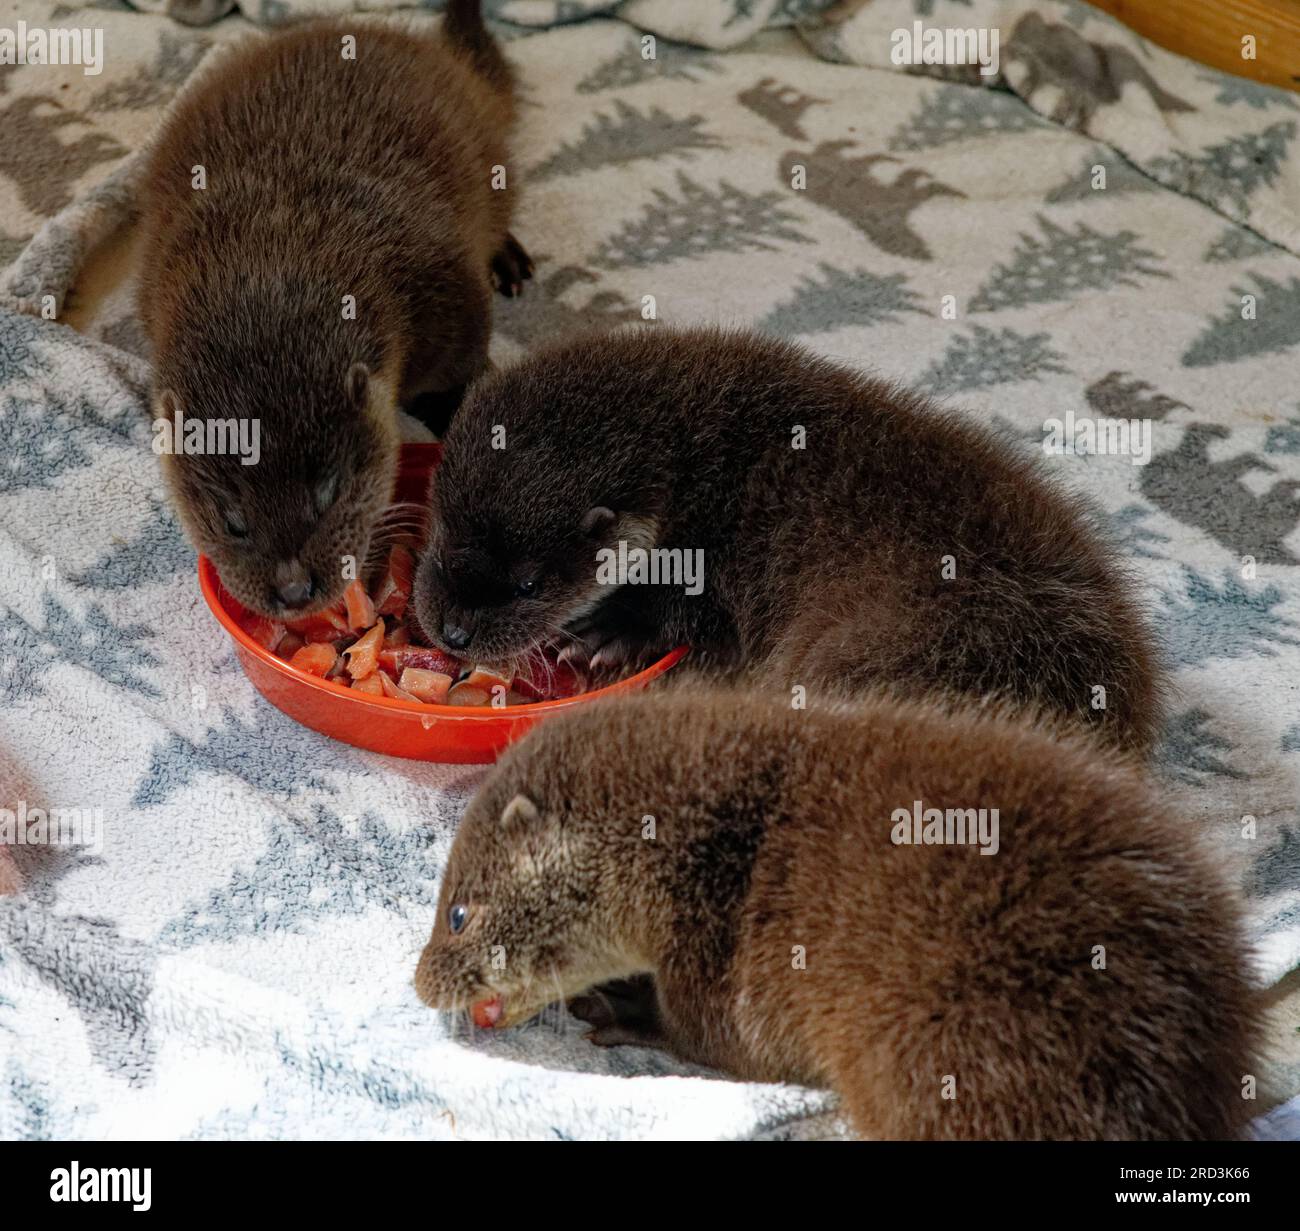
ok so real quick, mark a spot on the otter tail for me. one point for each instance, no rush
(464, 28)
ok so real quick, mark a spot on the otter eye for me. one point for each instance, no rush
(326, 491)
(527, 588)
(236, 526)
(456, 918)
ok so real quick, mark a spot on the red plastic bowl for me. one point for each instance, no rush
(457, 734)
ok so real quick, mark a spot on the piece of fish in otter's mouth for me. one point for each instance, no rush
(487, 1013)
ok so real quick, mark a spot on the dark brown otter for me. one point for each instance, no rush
(851, 533)
(324, 215)
(1066, 965)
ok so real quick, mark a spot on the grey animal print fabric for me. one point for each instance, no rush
(1046, 250)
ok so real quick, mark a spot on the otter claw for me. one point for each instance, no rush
(575, 656)
(598, 651)
(612, 655)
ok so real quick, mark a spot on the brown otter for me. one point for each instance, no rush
(324, 215)
(1066, 964)
(850, 532)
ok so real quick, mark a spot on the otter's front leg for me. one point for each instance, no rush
(622, 1013)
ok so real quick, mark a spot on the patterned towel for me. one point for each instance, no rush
(234, 956)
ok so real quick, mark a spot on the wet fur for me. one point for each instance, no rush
(823, 566)
(923, 962)
(325, 178)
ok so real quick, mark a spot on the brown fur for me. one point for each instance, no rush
(326, 178)
(773, 830)
(823, 565)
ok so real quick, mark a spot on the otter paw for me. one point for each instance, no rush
(623, 1036)
(511, 267)
(622, 1012)
(631, 1002)
(593, 1009)
(603, 659)
(603, 649)
(617, 655)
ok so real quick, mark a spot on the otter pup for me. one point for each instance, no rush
(849, 532)
(1067, 966)
(321, 233)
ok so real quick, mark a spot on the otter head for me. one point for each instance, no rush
(519, 543)
(487, 588)
(292, 491)
(516, 928)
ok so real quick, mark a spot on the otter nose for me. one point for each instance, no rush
(295, 593)
(455, 636)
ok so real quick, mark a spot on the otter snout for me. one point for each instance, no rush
(456, 637)
(459, 624)
(294, 585)
(295, 594)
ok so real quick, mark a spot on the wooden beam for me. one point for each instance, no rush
(1212, 31)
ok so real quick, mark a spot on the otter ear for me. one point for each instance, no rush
(520, 813)
(596, 521)
(639, 530)
(168, 404)
(358, 384)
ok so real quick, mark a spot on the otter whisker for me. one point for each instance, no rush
(561, 1016)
